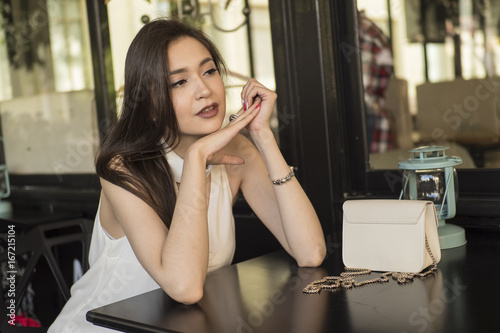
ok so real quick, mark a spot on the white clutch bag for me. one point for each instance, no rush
(390, 235)
(397, 237)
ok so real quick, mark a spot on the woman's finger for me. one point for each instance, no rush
(233, 160)
(245, 96)
(256, 93)
(244, 116)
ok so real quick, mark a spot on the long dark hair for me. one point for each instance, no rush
(132, 155)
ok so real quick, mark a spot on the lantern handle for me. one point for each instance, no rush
(403, 189)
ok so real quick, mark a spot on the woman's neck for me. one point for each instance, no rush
(184, 143)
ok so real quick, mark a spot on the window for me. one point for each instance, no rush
(437, 79)
(445, 90)
(70, 41)
(46, 88)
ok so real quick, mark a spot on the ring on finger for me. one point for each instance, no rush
(233, 117)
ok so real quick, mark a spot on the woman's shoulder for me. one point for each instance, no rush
(114, 174)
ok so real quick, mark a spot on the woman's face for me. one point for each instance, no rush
(198, 93)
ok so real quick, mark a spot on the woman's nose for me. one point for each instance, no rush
(202, 89)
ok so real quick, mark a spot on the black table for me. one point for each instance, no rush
(265, 295)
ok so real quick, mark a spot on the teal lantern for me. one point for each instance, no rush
(430, 175)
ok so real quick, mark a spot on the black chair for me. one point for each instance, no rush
(41, 240)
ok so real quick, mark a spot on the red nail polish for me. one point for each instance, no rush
(258, 106)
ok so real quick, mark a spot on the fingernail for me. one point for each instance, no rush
(258, 106)
(244, 104)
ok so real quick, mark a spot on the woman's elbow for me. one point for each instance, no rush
(185, 293)
(190, 298)
(314, 258)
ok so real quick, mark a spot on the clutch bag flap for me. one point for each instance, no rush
(389, 235)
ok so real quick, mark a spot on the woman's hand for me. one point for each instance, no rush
(212, 146)
(253, 94)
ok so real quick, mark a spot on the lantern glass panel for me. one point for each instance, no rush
(430, 185)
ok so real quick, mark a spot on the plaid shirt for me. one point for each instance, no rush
(377, 63)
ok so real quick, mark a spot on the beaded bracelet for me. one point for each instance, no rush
(282, 181)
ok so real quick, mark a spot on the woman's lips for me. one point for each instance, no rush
(209, 111)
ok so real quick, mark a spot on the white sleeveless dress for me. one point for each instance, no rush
(116, 274)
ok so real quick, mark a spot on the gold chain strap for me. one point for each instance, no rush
(346, 279)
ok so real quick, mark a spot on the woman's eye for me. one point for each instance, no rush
(179, 83)
(211, 71)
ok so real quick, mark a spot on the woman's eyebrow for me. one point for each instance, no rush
(182, 70)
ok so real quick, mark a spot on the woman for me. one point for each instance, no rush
(170, 174)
